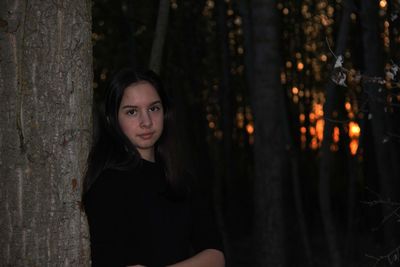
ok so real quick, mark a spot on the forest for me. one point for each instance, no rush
(290, 109)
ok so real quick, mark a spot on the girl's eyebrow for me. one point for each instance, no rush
(151, 104)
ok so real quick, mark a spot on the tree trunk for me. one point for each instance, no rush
(386, 157)
(394, 29)
(159, 36)
(225, 100)
(333, 100)
(269, 144)
(45, 120)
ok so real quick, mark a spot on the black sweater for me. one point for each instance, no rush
(133, 220)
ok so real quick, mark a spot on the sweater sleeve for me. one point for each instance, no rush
(105, 209)
(205, 233)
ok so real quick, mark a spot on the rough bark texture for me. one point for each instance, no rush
(269, 146)
(45, 120)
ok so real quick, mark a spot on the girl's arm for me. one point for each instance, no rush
(206, 258)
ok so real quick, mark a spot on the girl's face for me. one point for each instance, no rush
(141, 117)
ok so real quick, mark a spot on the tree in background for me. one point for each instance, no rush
(334, 100)
(270, 155)
(45, 120)
(159, 36)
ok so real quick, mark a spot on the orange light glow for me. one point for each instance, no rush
(300, 66)
(347, 106)
(314, 144)
(250, 128)
(319, 110)
(295, 90)
(353, 146)
(211, 124)
(302, 118)
(311, 116)
(320, 129)
(336, 134)
(382, 3)
(303, 130)
(354, 130)
(312, 131)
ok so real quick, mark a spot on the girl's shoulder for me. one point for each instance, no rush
(110, 181)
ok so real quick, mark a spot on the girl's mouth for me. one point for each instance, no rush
(146, 136)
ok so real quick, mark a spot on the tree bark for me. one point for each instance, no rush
(45, 120)
(159, 36)
(269, 144)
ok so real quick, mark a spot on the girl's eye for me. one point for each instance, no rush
(154, 108)
(131, 112)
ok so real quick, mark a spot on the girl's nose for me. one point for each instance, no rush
(145, 120)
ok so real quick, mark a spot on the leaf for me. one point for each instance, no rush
(339, 62)
(339, 76)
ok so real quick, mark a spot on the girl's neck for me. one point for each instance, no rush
(147, 155)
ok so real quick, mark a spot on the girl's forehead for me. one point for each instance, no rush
(140, 92)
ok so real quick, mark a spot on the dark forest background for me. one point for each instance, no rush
(291, 109)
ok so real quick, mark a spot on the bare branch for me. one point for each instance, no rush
(393, 257)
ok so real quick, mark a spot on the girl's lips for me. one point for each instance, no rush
(146, 136)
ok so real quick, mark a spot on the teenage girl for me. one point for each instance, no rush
(142, 206)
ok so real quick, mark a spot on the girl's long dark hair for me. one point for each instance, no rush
(113, 150)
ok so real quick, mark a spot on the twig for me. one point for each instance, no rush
(392, 257)
(387, 202)
(329, 47)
